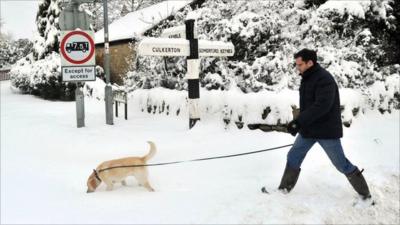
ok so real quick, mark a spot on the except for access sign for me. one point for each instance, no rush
(77, 55)
(78, 73)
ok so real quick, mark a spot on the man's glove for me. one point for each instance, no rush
(293, 127)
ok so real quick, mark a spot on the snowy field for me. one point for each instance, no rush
(45, 161)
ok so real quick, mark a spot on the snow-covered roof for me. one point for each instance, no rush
(355, 8)
(136, 23)
(5, 68)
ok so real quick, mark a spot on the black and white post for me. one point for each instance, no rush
(193, 64)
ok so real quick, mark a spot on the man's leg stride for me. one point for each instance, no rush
(295, 158)
(334, 150)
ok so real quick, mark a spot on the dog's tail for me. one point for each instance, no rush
(152, 151)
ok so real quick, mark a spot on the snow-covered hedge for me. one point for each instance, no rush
(269, 109)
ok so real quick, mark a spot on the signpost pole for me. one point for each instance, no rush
(116, 108)
(193, 73)
(79, 97)
(126, 104)
(80, 106)
(108, 88)
(183, 41)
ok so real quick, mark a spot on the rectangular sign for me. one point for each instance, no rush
(175, 32)
(180, 47)
(164, 47)
(70, 20)
(78, 73)
(120, 96)
(216, 48)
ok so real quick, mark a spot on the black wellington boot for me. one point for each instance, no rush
(359, 184)
(289, 178)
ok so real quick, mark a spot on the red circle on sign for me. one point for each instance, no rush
(64, 40)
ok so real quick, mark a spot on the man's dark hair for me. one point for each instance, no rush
(306, 55)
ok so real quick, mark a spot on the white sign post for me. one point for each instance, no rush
(182, 41)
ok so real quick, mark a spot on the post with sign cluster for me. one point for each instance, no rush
(182, 41)
(77, 52)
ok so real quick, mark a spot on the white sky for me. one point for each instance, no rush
(19, 17)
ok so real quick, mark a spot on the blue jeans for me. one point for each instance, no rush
(332, 147)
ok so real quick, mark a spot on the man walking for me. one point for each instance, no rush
(319, 121)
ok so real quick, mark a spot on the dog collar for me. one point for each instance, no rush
(96, 175)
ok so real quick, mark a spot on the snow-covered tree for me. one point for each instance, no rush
(5, 52)
(313, 3)
(5, 46)
(11, 51)
(39, 73)
(22, 48)
(116, 9)
(47, 17)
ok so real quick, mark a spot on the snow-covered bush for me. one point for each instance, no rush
(43, 78)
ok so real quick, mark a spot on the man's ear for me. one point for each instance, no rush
(310, 63)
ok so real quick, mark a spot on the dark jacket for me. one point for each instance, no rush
(320, 115)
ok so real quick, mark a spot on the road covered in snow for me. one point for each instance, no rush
(45, 161)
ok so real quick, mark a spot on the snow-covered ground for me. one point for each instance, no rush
(45, 161)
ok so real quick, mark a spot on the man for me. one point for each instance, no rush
(319, 121)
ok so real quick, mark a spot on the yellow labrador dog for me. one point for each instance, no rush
(121, 171)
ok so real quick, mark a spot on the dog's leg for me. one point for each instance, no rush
(110, 185)
(148, 187)
(143, 181)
